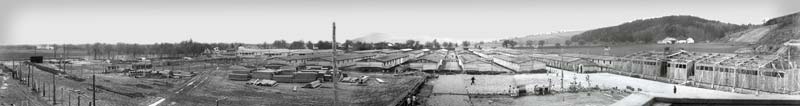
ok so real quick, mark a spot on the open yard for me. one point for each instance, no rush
(492, 90)
(237, 93)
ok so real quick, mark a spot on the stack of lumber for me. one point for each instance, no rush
(239, 75)
(314, 84)
(263, 74)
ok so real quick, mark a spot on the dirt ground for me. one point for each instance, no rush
(458, 90)
(593, 98)
(462, 84)
(209, 85)
(239, 94)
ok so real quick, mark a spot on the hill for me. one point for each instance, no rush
(551, 38)
(774, 31)
(654, 29)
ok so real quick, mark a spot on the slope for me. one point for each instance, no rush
(550, 38)
(654, 29)
(774, 31)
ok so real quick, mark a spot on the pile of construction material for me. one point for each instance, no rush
(263, 74)
(314, 84)
(296, 77)
(262, 82)
(239, 75)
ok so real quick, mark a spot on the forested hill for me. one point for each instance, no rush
(654, 29)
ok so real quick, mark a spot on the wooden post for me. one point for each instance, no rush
(735, 79)
(54, 89)
(335, 68)
(758, 86)
(69, 100)
(94, 91)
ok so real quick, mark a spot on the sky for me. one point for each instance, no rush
(258, 21)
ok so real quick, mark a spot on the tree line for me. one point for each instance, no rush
(532, 43)
(359, 45)
(192, 48)
(109, 50)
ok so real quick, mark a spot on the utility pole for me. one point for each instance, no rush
(562, 63)
(335, 72)
(94, 91)
(79, 100)
(30, 77)
(69, 98)
(55, 51)
(54, 89)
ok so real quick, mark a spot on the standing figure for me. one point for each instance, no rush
(473, 80)
(674, 89)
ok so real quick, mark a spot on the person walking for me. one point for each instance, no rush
(675, 89)
(473, 80)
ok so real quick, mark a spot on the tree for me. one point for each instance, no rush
(567, 42)
(347, 44)
(281, 44)
(505, 43)
(581, 42)
(558, 45)
(381, 45)
(310, 45)
(429, 45)
(436, 44)
(465, 44)
(541, 43)
(529, 43)
(297, 45)
(409, 44)
(512, 43)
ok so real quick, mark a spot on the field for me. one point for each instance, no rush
(239, 94)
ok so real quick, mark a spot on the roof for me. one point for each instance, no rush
(513, 59)
(471, 58)
(346, 56)
(432, 57)
(367, 51)
(263, 50)
(553, 57)
(386, 58)
(722, 59)
(586, 56)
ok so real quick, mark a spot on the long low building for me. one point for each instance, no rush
(721, 71)
(294, 60)
(381, 63)
(568, 63)
(474, 64)
(518, 63)
(427, 63)
(605, 62)
(451, 62)
(341, 60)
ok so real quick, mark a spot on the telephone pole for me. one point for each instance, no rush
(54, 89)
(94, 91)
(335, 72)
